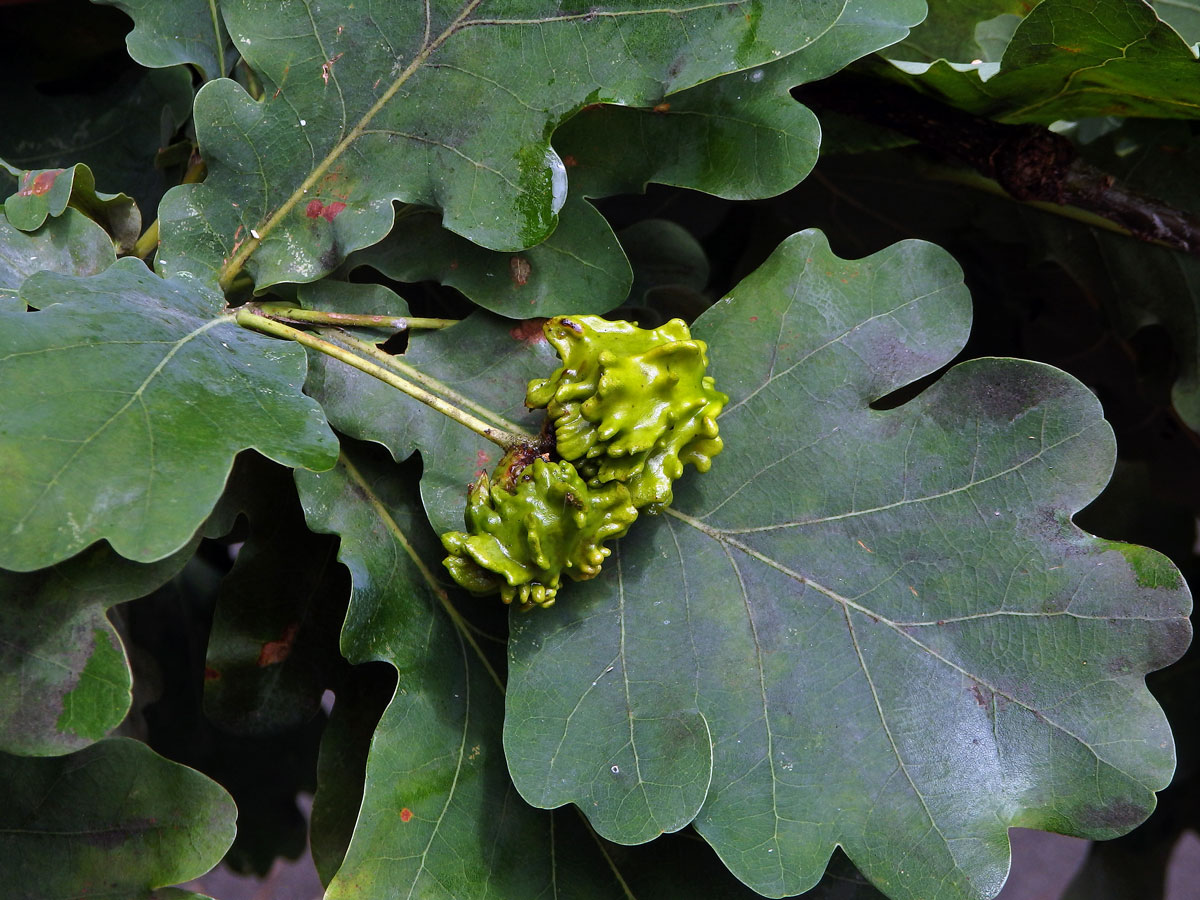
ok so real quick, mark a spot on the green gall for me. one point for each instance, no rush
(630, 405)
(532, 525)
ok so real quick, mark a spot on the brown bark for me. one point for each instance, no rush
(1029, 162)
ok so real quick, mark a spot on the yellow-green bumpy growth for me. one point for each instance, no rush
(520, 542)
(630, 405)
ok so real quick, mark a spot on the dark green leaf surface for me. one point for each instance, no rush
(900, 642)
(492, 377)
(1070, 59)
(176, 32)
(360, 700)
(439, 817)
(49, 192)
(63, 672)
(272, 644)
(71, 244)
(117, 132)
(683, 867)
(146, 391)
(113, 822)
(364, 106)
(952, 30)
(739, 136)
(580, 268)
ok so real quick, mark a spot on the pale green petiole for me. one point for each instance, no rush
(254, 321)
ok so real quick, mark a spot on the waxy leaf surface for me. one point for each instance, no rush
(740, 136)
(1070, 59)
(579, 268)
(63, 672)
(113, 820)
(71, 244)
(439, 816)
(489, 381)
(362, 106)
(44, 193)
(126, 398)
(900, 642)
(176, 32)
(953, 29)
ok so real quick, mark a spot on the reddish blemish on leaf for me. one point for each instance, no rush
(277, 651)
(211, 674)
(979, 697)
(327, 66)
(520, 268)
(405, 814)
(483, 462)
(569, 161)
(454, 264)
(318, 210)
(529, 331)
(754, 318)
(40, 184)
(662, 107)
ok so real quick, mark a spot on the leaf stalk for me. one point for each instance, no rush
(365, 348)
(254, 321)
(288, 313)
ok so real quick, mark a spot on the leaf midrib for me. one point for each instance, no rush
(848, 604)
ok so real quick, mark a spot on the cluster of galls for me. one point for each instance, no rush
(629, 407)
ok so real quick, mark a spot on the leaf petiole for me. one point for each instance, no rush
(248, 318)
(288, 313)
(365, 348)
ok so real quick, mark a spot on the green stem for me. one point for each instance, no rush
(148, 242)
(247, 318)
(217, 39)
(287, 313)
(432, 384)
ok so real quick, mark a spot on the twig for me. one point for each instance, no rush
(1030, 163)
(248, 318)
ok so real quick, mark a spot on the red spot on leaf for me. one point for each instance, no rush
(454, 264)
(318, 210)
(520, 268)
(662, 107)
(482, 461)
(979, 697)
(40, 184)
(211, 674)
(277, 651)
(754, 318)
(405, 814)
(569, 161)
(529, 331)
